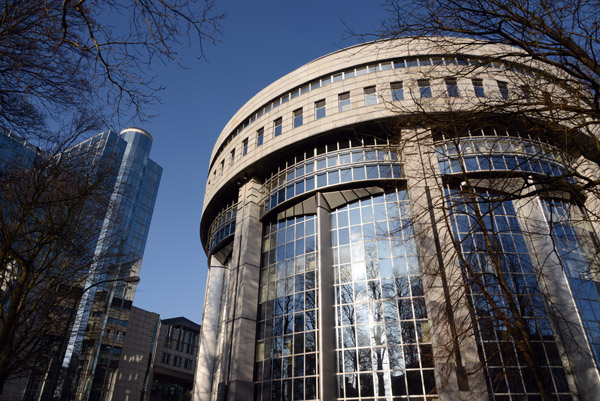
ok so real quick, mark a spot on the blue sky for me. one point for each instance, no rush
(262, 41)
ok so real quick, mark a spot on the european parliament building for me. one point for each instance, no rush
(356, 254)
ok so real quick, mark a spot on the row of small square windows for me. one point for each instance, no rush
(422, 61)
(370, 98)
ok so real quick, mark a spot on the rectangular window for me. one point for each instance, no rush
(277, 128)
(452, 87)
(478, 86)
(370, 96)
(503, 87)
(245, 147)
(166, 358)
(320, 111)
(232, 156)
(526, 93)
(397, 91)
(344, 101)
(222, 165)
(424, 88)
(297, 118)
(260, 137)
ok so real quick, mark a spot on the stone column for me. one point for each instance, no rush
(327, 358)
(457, 368)
(234, 380)
(209, 332)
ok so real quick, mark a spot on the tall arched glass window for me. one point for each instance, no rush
(383, 342)
(286, 349)
(508, 306)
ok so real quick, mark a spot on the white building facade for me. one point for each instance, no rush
(332, 274)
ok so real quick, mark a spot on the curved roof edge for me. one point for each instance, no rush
(409, 46)
(139, 130)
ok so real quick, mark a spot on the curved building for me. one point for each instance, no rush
(345, 266)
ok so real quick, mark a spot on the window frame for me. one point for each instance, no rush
(370, 93)
(451, 87)
(344, 102)
(297, 118)
(277, 127)
(260, 136)
(424, 88)
(320, 109)
(503, 88)
(245, 147)
(397, 88)
(478, 87)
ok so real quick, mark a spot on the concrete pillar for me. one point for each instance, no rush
(209, 332)
(566, 320)
(457, 369)
(234, 376)
(326, 310)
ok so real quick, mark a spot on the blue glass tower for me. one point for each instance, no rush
(92, 355)
(87, 357)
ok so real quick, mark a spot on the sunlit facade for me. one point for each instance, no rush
(339, 261)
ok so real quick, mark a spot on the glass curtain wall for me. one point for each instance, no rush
(383, 343)
(286, 364)
(577, 247)
(503, 288)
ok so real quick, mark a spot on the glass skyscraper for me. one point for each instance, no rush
(85, 362)
(352, 257)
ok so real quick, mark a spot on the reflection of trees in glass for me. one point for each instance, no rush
(508, 309)
(375, 308)
(287, 318)
(576, 244)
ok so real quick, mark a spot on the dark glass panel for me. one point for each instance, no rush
(310, 364)
(298, 389)
(366, 385)
(429, 382)
(310, 390)
(411, 356)
(298, 343)
(351, 385)
(415, 386)
(310, 343)
(276, 369)
(398, 383)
